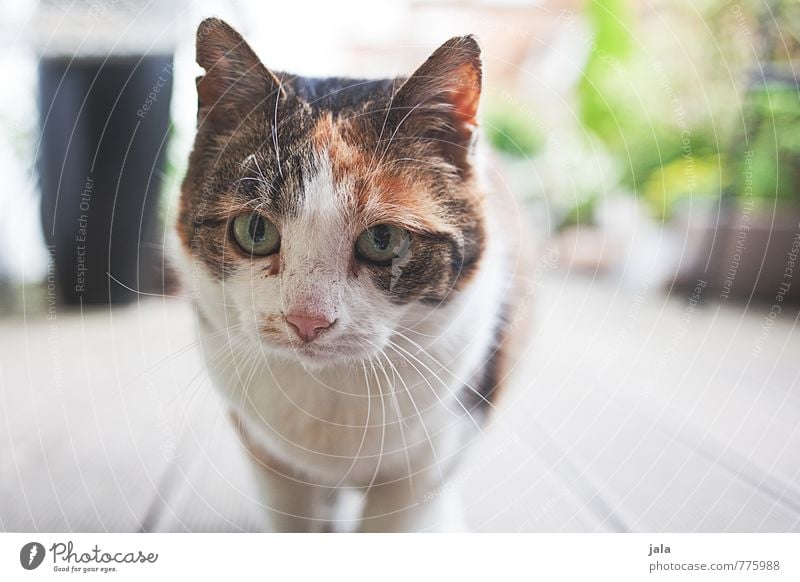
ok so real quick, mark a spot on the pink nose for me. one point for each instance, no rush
(307, 326)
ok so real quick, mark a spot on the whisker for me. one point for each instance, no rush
(383, 437)
(142, 293)
(446, 369)
(275, 127)
(401, 421)
(363, 436)
(419, 415)
(443, 383)
(412, 330)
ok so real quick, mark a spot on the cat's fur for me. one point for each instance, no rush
(385, 400)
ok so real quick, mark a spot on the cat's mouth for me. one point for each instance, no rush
(343, 350)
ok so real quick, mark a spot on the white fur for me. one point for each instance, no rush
(349, 420)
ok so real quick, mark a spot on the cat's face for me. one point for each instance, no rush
(328, 214)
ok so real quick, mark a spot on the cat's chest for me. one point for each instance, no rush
(348, 422)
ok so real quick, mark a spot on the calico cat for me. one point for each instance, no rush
(354, 279)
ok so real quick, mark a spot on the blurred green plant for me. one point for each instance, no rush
(610, 24)
(629, 104)
(769, 169)
(680, 181)
(663, 97)
(511, 129)
(581, 214)
(671, 145)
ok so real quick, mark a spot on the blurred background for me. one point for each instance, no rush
(654, 147)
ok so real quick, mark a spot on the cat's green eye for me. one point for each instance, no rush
(382, 243)
(256, 234)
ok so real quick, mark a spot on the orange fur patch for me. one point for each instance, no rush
(380, 193)
(466, 94)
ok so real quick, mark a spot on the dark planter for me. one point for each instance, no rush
(750, 254)
(104, 128)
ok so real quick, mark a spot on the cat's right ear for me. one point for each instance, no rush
(236, 83)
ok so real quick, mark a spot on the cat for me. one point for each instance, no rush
(357, 285)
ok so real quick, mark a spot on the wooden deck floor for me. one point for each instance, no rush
(633, 413)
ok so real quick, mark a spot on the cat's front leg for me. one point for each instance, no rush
(291, 502)
(417, 504)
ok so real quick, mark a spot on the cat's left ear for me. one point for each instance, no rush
(441, 98)
(236, 83)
